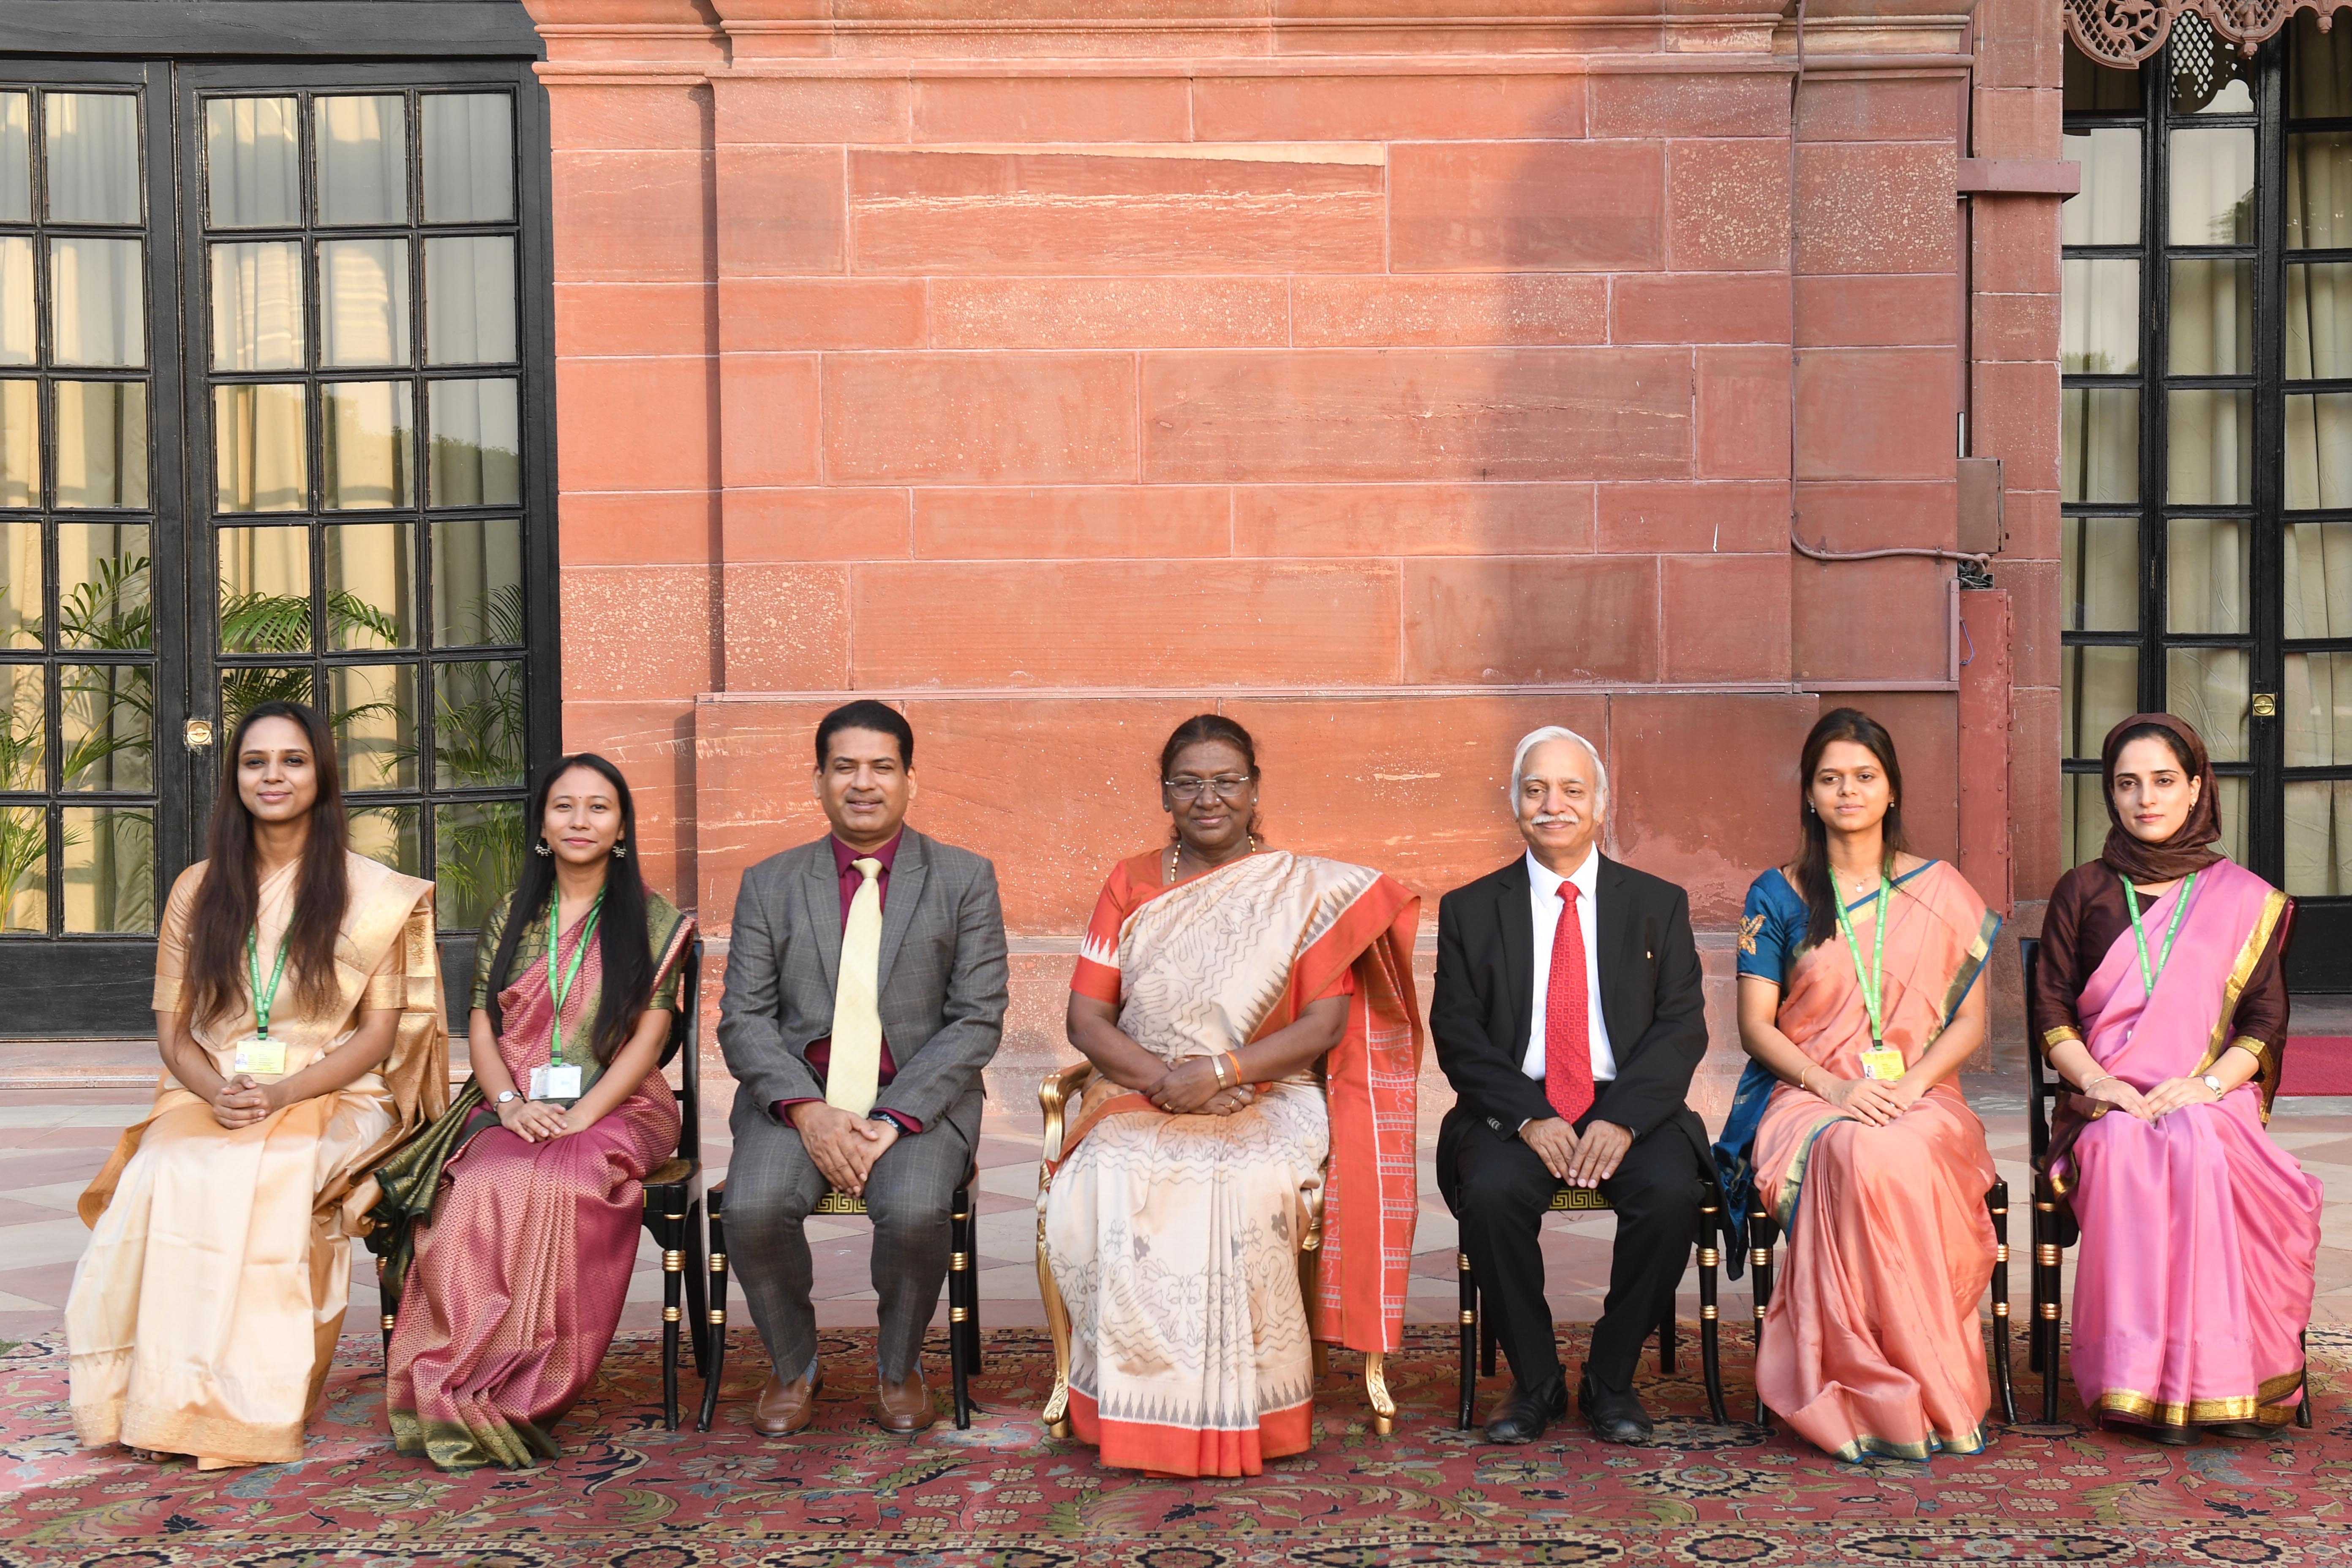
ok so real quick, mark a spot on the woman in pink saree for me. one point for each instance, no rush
(1858, 1004)
(513, 1225)
(2163, 1005)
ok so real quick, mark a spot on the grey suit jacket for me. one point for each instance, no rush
(943, 980)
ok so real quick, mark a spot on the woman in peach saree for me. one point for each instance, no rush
(298, 1012)
(1857, 1007)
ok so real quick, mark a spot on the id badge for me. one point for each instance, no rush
(1884, 1063)
(260, 1056)
(554, 1083)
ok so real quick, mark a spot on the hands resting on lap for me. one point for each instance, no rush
(1585, 1162)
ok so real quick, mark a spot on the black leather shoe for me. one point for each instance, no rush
(2250, 1430)
(1526, 1412)
(1614, 1417)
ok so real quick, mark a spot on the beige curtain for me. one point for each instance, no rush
(367, 440)
(253, 155)
(468, 158)
(102, 444)
(92, 156)
(363, 151)
(363, 301)
(256, 305)
(260, 460)
(469, 300)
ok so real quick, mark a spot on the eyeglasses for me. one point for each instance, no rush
(1229, 786)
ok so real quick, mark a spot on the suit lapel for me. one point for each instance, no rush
(907, 873)
(1518, 926)
(820, 890)
(1611, 920)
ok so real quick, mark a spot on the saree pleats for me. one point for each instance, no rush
(205, 1310)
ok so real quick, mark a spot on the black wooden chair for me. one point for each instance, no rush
(963, 1291)
(1478, 1332)
(673, 1210)
(2055, 1228)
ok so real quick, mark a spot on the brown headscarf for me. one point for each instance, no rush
(2190, 846)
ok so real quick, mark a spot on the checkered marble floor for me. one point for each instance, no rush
(53, 1141)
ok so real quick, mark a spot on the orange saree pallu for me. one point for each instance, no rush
(204, 1313)
(518, 1278)
(1174, 1239)
(1870, 1344)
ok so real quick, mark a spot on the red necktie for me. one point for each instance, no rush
(1567, 1023)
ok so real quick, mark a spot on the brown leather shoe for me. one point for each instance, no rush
(785, 1408)
(904, 1406)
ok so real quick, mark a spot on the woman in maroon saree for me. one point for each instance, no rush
(528, 1190)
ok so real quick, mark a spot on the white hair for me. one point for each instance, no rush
(1535, 738)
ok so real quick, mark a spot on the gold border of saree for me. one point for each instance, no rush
(2263, 1405)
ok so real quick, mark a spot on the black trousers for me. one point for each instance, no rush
(1499, 1191)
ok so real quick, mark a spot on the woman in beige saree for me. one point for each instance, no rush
(299, 1016)
(1214, 978)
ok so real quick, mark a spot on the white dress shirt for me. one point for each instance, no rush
(1544, 903)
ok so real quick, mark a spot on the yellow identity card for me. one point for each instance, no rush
(261, 1056)
(1884, 1063)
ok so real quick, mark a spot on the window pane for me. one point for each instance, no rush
(2100, 436)
(2318, 574)
(2319, 191)
(253, 159)
(468, 158)
(20, 443)
(245, 689)
(2209, 75)
(93, 156)
(110, 868)
(477, 443)
(372, 710)
(20, 584)
(260, 456)
(2107, 210)
(480, 860)
(369, 430)
(24, 705)
(2081, 819)
(18, 333)
(2098, 331)
(469, 300)
(387, 834)
(23, 872)
(2319, 839)
(363, 149)
(2207, 687)
(258, 306)
(2209, 447)
(2100, 558)
(106, 726)
(2319, 71)
(2213, 320)
(477, 725)
(370, 585)
(97, 302)
(103, 586)
(265, 590)
(2316, 709)
(2098, 687)
(2318, 320)
(2212, 186)
(2232, 797)
(477, 582)
(2318, 450)
(102, 444)
(2094, 88)
(16, 158)
(363, 301)
(2205, 575)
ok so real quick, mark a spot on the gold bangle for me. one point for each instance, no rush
(1217, 1066)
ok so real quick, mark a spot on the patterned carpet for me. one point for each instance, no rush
(630, 1494)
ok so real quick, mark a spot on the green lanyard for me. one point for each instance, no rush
(2148, 976)
(1872, 994)
(563, 988)
(263, 1000)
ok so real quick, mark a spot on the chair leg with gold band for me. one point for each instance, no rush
(1762, 1232)
(1710, 1349)
(717, 1371)
(386, 1313)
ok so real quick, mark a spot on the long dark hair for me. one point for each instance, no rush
(1202, 727)
(1813, 879)
(622, 941)
(230, 897)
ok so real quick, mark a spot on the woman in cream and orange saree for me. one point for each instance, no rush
(1858, 1003)
(2164, 1007)
(1215, 978)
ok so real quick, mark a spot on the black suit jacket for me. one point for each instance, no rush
(1652, 998)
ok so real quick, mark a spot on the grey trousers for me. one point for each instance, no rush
(771, 1186)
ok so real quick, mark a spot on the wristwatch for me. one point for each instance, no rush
(2215, 1084)
(507, 1094)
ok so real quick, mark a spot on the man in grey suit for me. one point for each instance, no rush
(864, 993)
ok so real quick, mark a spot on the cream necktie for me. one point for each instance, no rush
(854, 1076)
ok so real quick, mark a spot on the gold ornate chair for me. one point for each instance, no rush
(1057, 1095)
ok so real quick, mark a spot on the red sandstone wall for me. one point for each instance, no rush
(1394, 382)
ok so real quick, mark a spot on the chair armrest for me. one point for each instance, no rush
(1057, 1092)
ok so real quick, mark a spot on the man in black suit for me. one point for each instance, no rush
(1569, 1017)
